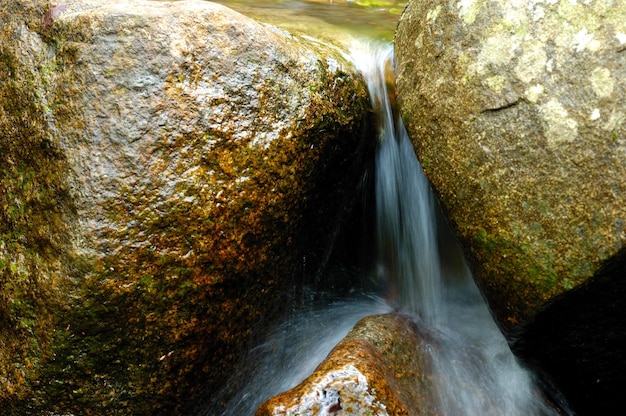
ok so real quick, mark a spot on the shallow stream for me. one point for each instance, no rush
(326, 19)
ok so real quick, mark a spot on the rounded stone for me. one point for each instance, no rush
(380, 368)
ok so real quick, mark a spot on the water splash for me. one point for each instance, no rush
(291, 353)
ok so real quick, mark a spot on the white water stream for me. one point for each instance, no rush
(475, 373)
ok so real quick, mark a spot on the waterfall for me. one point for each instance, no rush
(406, 231)
(473, 370)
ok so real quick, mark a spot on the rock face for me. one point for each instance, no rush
(516, 110)
(379, 368)
(167, 169)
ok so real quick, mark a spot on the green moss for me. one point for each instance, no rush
(516, 276)
(34, 206)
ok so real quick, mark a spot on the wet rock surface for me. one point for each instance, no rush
(166, 168)
(379, 368)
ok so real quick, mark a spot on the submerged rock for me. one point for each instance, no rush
(516, 113)
(170, 172)
(379, 368)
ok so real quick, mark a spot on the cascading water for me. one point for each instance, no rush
(473, 369)
(475, 372)
(406, 230)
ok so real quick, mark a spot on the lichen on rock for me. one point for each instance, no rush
(514, 110)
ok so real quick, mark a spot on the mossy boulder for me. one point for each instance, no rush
(516, 112)
(171, 174)
(381, 367)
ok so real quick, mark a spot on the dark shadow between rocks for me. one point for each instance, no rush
(579, 341)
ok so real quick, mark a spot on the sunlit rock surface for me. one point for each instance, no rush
(379, 368)
(170, 171)
(516, 110)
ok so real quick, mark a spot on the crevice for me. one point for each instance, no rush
(502, 107)
(578, 342)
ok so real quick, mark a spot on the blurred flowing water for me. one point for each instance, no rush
(423, 274)
(474, 370)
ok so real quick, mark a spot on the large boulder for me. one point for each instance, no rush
(516, 110)
(170, 174)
